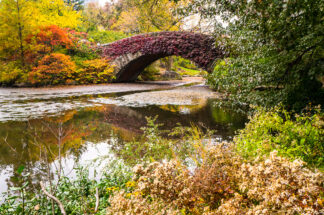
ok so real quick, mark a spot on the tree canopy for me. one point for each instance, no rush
(19, 18)
(277, 49)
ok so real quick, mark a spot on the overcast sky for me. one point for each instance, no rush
(101, 2)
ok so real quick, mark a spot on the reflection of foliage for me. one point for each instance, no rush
(234, 120)
(124, 117)
(187, 109)
(26, 141)
(156, 145)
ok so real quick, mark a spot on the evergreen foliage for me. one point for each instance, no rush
(277, 51)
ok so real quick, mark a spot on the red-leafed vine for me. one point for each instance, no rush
(198, 48)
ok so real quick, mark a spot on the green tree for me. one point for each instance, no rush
(276, 49)
(76, 4)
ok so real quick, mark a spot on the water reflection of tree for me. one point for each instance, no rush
(36, 144)
(125, 118)
(26, 141)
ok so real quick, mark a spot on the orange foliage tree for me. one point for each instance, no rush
(47, 40)
(53, 69)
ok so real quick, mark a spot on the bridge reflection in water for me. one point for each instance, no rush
(85, 129)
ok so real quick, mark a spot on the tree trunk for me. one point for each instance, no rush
(169, 62)
(20, 29)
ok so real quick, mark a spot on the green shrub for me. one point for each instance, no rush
(179, 61)
(219, 79)
(156, 144)
(10, 73)
(85, 51)
(189, 72)
(95, 71)
(106, 36)
(298, 136)
(149, 73)
(77, 195)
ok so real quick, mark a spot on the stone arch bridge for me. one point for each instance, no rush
(131, 55)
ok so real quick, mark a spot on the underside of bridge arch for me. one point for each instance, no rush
(133, 69)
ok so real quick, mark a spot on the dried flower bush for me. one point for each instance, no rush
(223, 184)
(281, 186)
(159, 188)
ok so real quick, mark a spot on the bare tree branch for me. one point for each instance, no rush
(97, 200)
(53, 198)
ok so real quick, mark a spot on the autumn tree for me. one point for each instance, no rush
(46, 40)
(142, 16)
(19, 18)
(97, 17)
(15, 16)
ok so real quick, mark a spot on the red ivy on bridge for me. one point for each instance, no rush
(198, 48)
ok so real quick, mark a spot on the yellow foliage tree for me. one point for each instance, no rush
(142, 16)
(56, 12)
(19, 18)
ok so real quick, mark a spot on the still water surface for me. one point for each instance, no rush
(92, 122)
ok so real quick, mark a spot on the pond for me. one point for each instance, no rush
(92, 122)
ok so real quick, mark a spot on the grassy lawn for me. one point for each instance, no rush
(189, 72)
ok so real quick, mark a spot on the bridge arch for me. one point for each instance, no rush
(131, 55)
